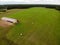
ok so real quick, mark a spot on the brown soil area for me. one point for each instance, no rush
(5, 24)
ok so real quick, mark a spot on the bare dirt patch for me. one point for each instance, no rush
(5, 24)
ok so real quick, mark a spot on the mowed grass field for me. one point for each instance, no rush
(39, 26)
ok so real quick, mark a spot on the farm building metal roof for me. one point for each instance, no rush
(9, 19)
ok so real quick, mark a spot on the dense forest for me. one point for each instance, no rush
(20, 6)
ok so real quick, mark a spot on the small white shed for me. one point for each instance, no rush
(11, 20)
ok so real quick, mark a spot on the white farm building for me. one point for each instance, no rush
(11, 20)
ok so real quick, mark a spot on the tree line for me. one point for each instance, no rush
(24, 6)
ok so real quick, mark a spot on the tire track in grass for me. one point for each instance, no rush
(50, 33)
(30, 32)
(46, 36)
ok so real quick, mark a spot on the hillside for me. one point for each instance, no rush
(39, 26)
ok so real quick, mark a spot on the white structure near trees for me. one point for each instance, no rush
(11, 20)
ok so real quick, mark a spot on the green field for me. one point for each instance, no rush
(39, 26)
